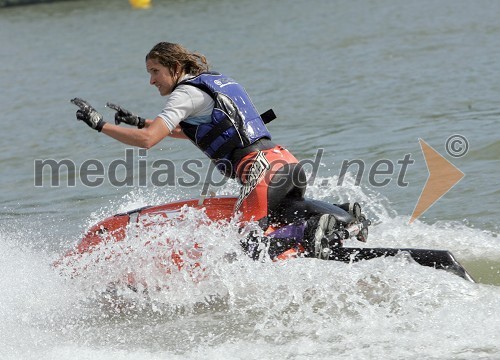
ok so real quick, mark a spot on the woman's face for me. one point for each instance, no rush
(160, 77)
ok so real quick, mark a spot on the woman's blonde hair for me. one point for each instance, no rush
(172, 55)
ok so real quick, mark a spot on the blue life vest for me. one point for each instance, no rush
(235, 124)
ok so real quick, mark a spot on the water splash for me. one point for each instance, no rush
(301, 308)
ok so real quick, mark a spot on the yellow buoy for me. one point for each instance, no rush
(140, 4)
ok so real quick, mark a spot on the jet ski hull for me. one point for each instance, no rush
(218, 208)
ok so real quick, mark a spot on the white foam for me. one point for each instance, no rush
(241, 309)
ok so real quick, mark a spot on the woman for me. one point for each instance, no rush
(216, 114)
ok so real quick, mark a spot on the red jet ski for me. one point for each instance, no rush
(117, 229)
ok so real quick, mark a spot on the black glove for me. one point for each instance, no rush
(126, 116)
(88, 114)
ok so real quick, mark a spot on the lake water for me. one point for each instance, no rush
(361, 80)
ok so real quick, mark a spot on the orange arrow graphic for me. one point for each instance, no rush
(443, 175)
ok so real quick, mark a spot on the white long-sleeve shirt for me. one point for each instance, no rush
(187, 103)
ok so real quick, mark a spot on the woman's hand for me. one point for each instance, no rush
(125, 116)
(88, 114)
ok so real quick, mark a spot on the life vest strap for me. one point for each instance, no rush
(268, 116)
(218, 129)
(215, 132)
(225, 148)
